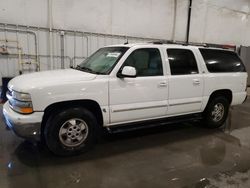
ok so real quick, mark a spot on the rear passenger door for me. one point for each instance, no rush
(185, 83)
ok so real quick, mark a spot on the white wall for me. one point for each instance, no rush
(214, 21)
(221, 21)
(146, 18)
(27, 12)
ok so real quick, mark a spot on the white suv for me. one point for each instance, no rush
(125, 86)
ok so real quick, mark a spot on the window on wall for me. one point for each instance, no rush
(222, 61)
(147, 62)
(182, 62)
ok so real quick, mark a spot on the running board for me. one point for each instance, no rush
(153, 123)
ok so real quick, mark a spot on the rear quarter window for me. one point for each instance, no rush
(222, 61)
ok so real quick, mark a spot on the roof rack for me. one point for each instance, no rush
(178, 42)
(223, 46)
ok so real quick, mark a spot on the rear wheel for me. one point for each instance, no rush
(216, 112)
(70, 131)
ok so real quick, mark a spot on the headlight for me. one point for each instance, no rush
(20, 102)
(21, 96)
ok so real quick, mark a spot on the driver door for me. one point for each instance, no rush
(143, 97)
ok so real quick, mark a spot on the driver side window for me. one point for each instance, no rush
(146, 61)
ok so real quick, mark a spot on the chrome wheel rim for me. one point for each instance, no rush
(73, 132)
(218, 112)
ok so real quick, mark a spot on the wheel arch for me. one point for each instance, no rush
(207, 113)
(223, 92)
(90, 105)
(227, 93)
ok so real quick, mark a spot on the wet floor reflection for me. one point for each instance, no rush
(180, 155)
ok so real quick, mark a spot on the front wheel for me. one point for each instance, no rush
(70, 131)
(216, 112)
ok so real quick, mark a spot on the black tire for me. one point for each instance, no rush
(56, 121)
(209, 118)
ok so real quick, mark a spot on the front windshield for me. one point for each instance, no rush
(103, 60)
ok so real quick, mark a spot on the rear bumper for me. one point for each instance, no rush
(25, 126)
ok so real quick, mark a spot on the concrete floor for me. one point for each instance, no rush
(181, 155)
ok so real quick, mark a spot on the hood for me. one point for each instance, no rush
(26, 82)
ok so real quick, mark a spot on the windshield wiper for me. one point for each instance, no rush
(86, 69)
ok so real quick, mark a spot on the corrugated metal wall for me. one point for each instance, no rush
(69, 47)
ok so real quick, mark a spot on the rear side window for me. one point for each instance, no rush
(182, 62)
(222, 61)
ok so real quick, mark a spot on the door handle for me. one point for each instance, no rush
(196, 82)
(163, 84)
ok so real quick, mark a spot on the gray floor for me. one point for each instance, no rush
(181, 155)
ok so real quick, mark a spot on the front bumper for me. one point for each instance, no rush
(245, 99)
(25, 126)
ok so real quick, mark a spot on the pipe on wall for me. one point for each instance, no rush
(25, 32)
(81, 32)
(62, 50)
(50, 34)
(188, 20)
(74, 34)
(174, 20)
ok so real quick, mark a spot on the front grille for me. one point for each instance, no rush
(9, 92)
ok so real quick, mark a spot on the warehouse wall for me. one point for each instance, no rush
(212, 21)
(220, 21)
(146, 18)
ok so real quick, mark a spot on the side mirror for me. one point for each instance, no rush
(127, 71)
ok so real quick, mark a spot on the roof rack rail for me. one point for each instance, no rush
(176, 42)
(223, 46)
(162, 42)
